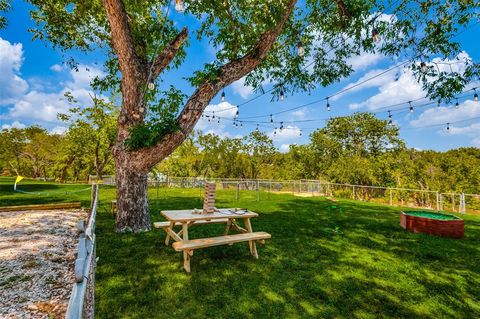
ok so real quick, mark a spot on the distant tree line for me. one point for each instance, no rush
(358, 149)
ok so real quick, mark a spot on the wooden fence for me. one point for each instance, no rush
(82, 300)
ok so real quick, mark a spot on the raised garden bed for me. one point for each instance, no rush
(432, 223)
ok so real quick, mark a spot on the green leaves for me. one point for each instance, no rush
(4, 7)
(160, 120)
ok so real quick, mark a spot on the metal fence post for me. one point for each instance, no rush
(238, 191)
(438, 200)
(258, 191)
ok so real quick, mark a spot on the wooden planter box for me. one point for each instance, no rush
(453, 228)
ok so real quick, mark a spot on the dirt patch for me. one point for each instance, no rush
(37, 256)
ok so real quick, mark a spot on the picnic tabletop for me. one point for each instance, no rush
(186, 215)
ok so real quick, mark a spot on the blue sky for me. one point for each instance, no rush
(34, 79)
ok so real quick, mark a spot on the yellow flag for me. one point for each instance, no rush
(19, 178)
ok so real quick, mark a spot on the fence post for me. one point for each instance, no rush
(453, 202)
(353, 192)
(238, 191)
(438, 200)
(258, 190)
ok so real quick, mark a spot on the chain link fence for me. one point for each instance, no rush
(260, 189)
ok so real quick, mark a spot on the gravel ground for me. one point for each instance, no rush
(37, 256)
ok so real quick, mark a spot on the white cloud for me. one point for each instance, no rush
(442, 115)
(243, 90)
(15, 124)
(11, 84)
(288, 133)
(299, 114)
(223, 112)
(284, 148)
(398, 86)
(378, 81)
(56, 68)
(41, 106)
(391, 90)
(364, 60)
(60, 130)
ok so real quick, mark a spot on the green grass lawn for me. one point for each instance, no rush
(320, 263)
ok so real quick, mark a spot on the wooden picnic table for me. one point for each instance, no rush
(228, 216)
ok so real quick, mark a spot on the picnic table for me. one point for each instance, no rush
(228, 216)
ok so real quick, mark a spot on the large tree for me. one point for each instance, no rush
(257, 39)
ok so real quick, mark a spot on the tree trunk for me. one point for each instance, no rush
(132, 197)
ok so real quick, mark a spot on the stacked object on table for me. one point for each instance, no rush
(209, 201)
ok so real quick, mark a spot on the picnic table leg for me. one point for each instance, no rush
(253, 247)
(167, 239)
(186, 254)
(227, 229)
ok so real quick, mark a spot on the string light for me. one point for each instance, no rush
(328, 105)
(457, 105)
(411, 107)
(423, 66)
(282, 95)
(281, 126)
(300, 50)
(179, 6)
(300, 133)
(448, 127)
(237, 113)
(389, 117)
(151, 85)
(223, 96)
(375, 35)
(271, 118)
(475, 96)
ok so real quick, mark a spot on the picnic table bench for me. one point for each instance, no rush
(187, 218)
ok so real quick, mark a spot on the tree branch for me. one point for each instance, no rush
(230, 72)
(121, 37)
(168, 53)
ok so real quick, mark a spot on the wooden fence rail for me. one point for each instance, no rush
(82, 300)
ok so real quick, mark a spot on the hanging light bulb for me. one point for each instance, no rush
(475, 96)
(256, 128)
(375, 35)
(457, 105)
(448, 127)
(411, 107)
(328, 105)
(424, 67)
(300, 50)
(213, 115)
(300, 133)
(282, 95)
(223, 96)
(151, 85)
(179, 6)
(389, 117)
(271, 118)
(281, 126)
(218, 120)
(275, 131)
(241, 124)
(237, 113)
